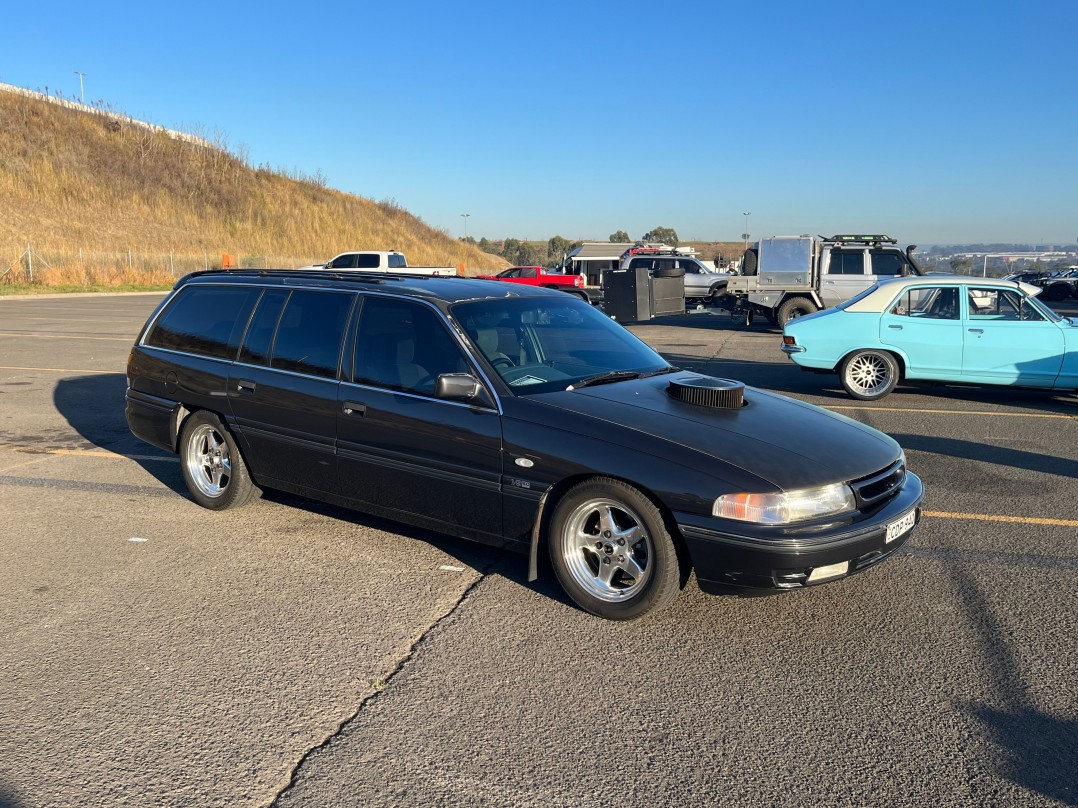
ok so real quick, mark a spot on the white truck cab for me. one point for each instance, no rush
(381, 261)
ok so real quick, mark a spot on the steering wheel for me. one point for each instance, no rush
(502, 362)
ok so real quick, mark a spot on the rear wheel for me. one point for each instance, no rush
(212, 466)
(869, 375)
(611, 550)
(793, 308)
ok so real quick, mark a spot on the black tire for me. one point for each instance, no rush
(793, 308)
(606, 528)
(668, 273)
(577, 294)
(869, 375)
(212, 465)
(1057, 292)
(749, 260)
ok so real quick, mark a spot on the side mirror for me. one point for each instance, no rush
(461, 387)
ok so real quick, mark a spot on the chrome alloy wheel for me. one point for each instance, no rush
(208, 461)
(607, 550)
(869, 374)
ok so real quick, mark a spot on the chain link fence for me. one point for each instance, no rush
(39, 266)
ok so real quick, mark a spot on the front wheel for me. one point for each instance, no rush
(212, 466)
(869, 375)
(611, 550)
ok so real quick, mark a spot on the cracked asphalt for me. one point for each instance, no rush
(292, 653)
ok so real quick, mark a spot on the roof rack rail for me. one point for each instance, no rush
(861, 239)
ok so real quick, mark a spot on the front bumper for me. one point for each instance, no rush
(769, 559)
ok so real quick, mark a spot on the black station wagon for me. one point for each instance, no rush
(517, 417)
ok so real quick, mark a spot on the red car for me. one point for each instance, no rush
(537, 276)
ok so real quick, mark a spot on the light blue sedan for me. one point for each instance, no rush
(945, 328)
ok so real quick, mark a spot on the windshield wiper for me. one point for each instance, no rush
(604, 378)
(660, 371)
(620, 375)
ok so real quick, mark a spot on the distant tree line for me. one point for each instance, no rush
(535, 253)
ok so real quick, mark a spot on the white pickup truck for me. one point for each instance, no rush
(381, 261)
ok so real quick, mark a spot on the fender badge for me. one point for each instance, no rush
(524, 462)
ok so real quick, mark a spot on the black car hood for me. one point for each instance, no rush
(786, 442)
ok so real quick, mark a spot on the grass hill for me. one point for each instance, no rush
(88, 198)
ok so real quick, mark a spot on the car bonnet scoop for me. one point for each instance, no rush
(707, 391)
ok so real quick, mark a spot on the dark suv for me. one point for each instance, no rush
(518, 417)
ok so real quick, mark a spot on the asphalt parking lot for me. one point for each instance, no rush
(293, 653)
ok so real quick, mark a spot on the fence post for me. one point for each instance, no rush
(30, 261)
(171, 266)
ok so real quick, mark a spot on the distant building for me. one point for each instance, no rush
(592, 258)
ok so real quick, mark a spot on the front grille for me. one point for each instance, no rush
(879, 486)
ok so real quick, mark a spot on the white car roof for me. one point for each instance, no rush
(886, 291)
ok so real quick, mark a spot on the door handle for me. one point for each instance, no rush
(354, 408)
(245, 386)
(898, 327)
(976, 331)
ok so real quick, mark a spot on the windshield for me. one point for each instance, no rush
(542, 344)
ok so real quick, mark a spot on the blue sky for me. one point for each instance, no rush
(934, 122)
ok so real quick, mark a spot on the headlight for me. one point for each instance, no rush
(786, 507)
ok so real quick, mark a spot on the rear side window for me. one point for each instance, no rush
(310, 333)
(397, 261)
(847, 262)
(367, 261)
(204, 320)
(256, 345)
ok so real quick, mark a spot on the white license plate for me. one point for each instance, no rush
(900, 526)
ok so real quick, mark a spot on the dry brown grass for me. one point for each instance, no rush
(104, 203)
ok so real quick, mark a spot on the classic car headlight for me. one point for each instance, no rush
(789, 506)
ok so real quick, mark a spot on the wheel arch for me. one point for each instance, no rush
(900, 357)
(548, 503)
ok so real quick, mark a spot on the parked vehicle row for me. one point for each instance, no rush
(527, 420)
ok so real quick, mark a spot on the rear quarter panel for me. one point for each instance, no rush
(828, 336)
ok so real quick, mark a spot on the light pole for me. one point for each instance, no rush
(745, 235)
(465, 216)
(82, 94)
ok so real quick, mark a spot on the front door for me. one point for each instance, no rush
(401, 449)
(844, 276)
(1008, 341)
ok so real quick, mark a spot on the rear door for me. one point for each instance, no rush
(401, 449)
(925, 325)
(844, 276)
(283, 389)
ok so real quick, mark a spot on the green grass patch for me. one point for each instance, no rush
(14, 290)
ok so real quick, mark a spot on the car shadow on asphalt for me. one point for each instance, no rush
(1039, 751)
(988, 453)
(94, 407)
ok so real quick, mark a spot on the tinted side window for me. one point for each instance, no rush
(528, 272)
(206, 320)
(887, 262)
(256, 345)
(397, 261)
(847, 262)
(311, 331)
(645, 263)
(346, 261)
(368, 261)
(404, 346)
